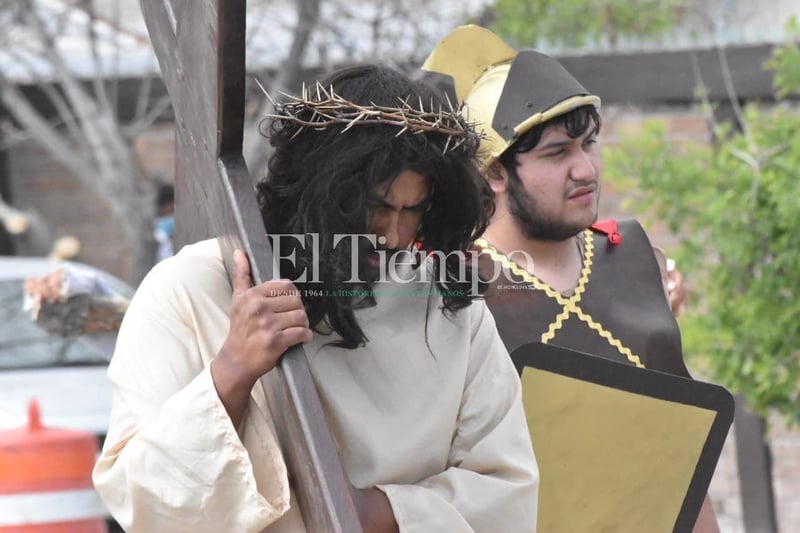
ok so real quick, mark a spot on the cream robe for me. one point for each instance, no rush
(437, 425)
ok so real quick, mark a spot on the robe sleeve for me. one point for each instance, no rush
(491, 483)
(172, 460)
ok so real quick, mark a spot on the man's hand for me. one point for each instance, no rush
(265, 321)
(677, 290)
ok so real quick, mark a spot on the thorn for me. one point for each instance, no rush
(447, 144)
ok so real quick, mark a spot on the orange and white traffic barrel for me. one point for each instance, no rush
(46, 480)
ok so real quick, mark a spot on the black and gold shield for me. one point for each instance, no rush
(619, 448)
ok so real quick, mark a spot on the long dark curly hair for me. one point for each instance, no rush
(318, 182)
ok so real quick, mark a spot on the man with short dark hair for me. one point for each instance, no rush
(558, 276)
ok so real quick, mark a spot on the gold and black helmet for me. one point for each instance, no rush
(505, 92)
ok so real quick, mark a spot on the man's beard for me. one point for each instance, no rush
(531, 222)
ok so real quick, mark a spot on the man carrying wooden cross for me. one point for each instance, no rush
(417, 386)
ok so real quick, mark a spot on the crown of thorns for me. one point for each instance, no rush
(320, 108)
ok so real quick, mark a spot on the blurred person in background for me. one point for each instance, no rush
(165, 221)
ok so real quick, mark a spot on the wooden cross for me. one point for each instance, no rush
(200, 49)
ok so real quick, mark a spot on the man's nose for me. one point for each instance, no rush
(583, 167)
(390, 232)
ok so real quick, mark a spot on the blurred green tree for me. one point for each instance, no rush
(735, 204)
(575, 23)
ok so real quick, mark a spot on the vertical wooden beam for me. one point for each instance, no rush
(200, 49)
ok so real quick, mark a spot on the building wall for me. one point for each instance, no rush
(67, 206)
(785, 446)
(38, 183)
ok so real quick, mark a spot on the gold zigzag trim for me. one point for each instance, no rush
(616, 343)
(555, 326)
(570, 305)
(526, 276)
(588, 259)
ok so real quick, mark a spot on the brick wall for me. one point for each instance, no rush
(36, 182)
(157, 149)
(67, 206)
(785, 446)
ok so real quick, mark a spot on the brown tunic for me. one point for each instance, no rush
(618, 309)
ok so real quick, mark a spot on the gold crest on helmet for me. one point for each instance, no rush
(505, 92)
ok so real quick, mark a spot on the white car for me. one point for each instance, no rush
(67, 376)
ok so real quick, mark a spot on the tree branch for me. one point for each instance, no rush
(143, 121)
(100, 129)
(61, 150)
(256, 152)
(55, 97)
(99, 78)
